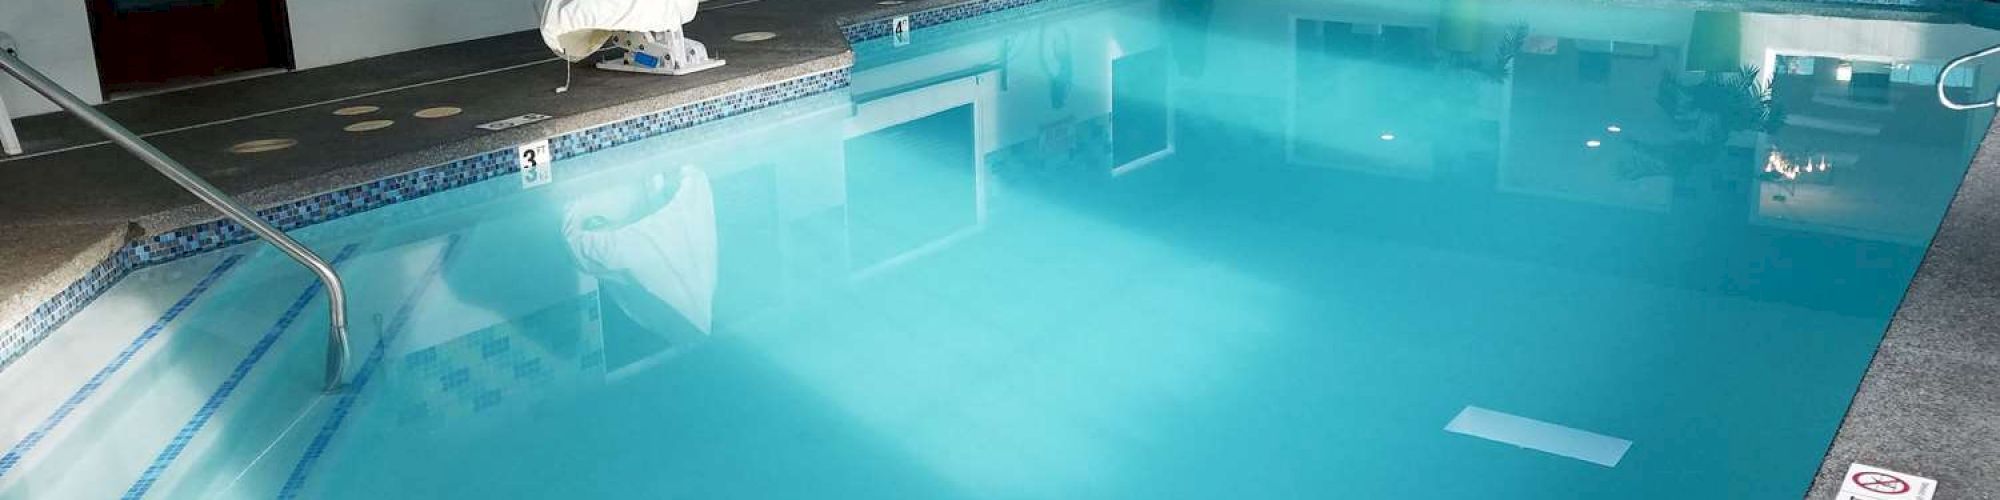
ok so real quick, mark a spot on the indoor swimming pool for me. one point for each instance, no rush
(1508, 249)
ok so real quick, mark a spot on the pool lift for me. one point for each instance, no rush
(649, 31)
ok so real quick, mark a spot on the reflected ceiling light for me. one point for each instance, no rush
(1614, 129)
(262, 146)
(369, 125)
(1592, 143)
(438, 112)
(1845, 72)
(1389, 136)
(1778, 164)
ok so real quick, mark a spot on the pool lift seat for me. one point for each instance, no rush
(648, 30)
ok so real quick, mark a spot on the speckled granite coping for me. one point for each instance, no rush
(68, 254)
(1930, 403)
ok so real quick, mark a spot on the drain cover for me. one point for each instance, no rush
(369, 125)
(439, 112)
(262, 145)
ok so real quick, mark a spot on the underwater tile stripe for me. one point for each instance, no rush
(218, 234)
(20, 450)
(338, 415)
(222, 392)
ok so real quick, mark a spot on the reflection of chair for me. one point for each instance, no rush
(658, 265)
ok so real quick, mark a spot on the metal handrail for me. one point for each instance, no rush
(337, 350)
(1946, 100)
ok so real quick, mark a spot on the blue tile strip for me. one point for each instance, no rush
(221, 394)
(181, 243)
(297, 481)
(625, 132)
(879, 28)
(20, 450)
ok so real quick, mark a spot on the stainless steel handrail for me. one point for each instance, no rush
(1945, 99)
(337, 351)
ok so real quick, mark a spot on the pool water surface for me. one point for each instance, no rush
(1447, 249)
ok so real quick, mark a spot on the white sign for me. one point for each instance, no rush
(534, 163)
(514, 122)
(900, 26)
(1865, 482)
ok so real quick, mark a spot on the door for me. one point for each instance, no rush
(147, 44)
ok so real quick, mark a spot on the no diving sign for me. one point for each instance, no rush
(1864, 482)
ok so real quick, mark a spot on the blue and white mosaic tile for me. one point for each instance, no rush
(879, 28)
(624, 132)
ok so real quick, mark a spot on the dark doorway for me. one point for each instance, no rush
(149, 44)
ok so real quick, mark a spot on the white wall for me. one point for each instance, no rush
(336, 31)
(55, 38)
(55, 35)
(1897, 41)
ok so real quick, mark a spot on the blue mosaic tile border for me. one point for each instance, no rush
(20, 449)
(181, 243)
(879, 28)
(214, 404)
(599, 138)
(882, 28)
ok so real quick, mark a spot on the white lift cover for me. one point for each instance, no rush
(665, 256)
(576, 28)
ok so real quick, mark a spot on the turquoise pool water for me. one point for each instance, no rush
(1137, 249)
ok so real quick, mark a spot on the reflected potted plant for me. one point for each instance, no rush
(1719, 116)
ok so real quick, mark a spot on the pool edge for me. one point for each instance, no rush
(191, 230)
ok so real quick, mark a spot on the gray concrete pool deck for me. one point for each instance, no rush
(1930, 403)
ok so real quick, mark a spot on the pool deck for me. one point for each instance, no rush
(1927, 406)
(1930, 404)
